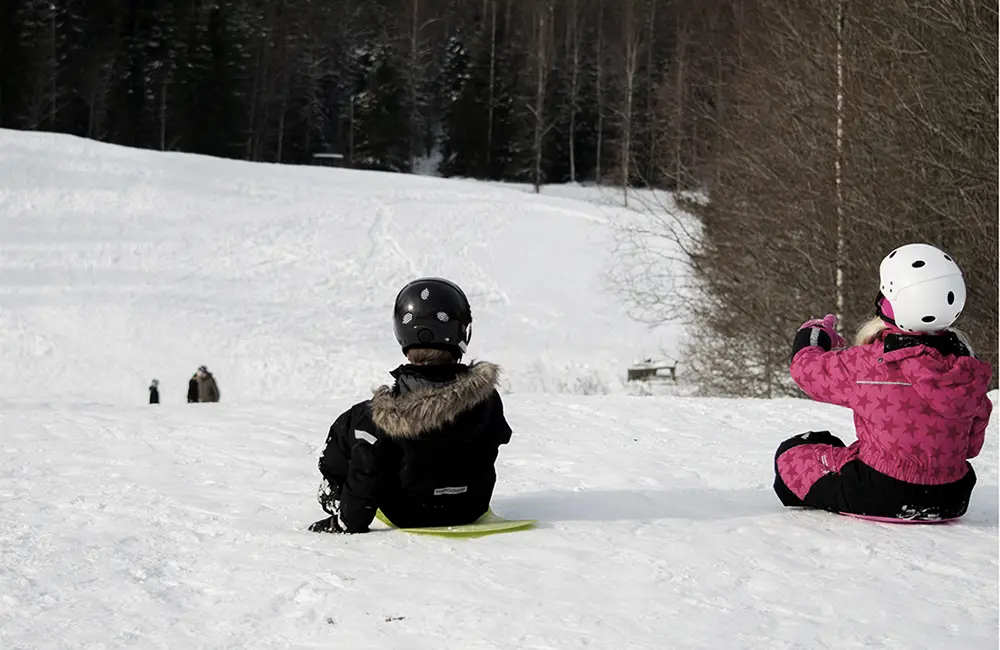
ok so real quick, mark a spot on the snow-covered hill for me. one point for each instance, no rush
(183, 526)
(119, 265)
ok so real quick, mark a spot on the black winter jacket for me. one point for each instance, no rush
(422, 450)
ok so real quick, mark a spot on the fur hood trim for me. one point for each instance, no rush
(408, 415)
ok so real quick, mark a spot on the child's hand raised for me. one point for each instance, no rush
(827, 325)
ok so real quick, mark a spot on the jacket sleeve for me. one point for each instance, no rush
(364, 485)
(827, 376)
(979, 423)
(502, 428)
(356, 463)
(336, 458)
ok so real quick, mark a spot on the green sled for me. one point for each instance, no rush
(488, 524)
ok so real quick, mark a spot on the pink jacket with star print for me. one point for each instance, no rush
(919, 414)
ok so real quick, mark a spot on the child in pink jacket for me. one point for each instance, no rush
(918, 395)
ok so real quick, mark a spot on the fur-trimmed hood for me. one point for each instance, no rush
(409, 413)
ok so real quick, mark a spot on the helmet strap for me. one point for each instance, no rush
(878, 309)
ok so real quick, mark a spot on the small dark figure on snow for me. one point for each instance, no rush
(422, 450)
(154, 392)
(193, 389)
(202, 387)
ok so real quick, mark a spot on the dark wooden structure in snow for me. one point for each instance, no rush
(650, 370)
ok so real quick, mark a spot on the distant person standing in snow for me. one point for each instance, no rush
(206, 388)
(422, 450)
(154, 392)
(193, 389)
(918, 394)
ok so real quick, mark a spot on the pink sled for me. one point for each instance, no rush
(893, 520)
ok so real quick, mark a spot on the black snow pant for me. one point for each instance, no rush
(374, 483)
(861, 490)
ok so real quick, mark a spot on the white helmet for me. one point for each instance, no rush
(924, 287)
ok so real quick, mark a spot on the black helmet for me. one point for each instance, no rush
(432, 313)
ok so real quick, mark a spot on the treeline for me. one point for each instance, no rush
(529, 90)
(844, 129)
(822, 134)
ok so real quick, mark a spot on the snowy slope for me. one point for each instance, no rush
(182, 526)
(133, 264)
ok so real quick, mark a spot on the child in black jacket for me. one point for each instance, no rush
(422, 450)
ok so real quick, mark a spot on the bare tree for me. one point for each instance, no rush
(573, 43)
(650, 83)
(542, 37)
(760, 254)
(599, 87)
(631, 49)
(920, 142)
(845, 133)
(420, 18)
(838, 164)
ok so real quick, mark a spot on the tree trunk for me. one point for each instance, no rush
(631, 37)
(838, 165)
(414, 66)
(54, 72)
(679, 109)
(254, 99)
(720, 109)
(492, 91)
(600, 91)
(92, 114)
(163, 113)
(573, 88)
(281, 128)
(350, 133)
(650, 115)
(542, 25)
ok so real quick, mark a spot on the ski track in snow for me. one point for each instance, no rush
(183, 526)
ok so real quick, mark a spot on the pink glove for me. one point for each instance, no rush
(827, 324)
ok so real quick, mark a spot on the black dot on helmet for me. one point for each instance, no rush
(919, 263)
(948, 258)
(893, 253)
(929, 319)
(425, 336)
(951, 297)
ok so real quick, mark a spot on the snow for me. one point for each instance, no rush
(281, 278)
(183, 526)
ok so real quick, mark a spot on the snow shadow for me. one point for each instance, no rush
(701, 504)
(984, 507)
(697, 504)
